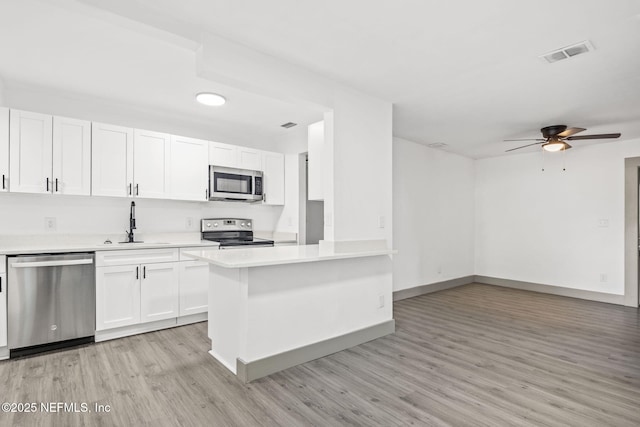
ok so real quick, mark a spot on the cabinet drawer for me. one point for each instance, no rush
(136, 256)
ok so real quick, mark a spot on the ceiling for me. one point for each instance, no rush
(463, 73)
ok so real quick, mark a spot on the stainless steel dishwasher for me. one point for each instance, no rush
(51, 301)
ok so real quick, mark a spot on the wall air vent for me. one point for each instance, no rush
(289, 125)
(568, 52)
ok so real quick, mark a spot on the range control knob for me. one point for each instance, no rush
(208, 225)
(243, 225)
(215, 224)
(248, 224)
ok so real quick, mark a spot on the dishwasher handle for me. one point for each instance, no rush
(51, 263)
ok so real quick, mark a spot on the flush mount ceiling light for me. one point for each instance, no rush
(554, 144)
(211, 99)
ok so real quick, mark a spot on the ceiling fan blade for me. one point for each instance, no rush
(569, 132)
(599, 136)
(525, 139)
(528, 145)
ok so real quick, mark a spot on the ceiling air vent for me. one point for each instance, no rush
(568, 52)
(289, 125)
(437, 145)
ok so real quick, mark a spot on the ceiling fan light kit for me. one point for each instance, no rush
(554, 144)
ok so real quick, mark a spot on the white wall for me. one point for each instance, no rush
(433, 215)
(2, 90)
(544, 227)
(25, 213)
(359, 193)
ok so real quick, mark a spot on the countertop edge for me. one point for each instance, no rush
(285, 261)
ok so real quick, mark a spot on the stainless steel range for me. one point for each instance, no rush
(231, 233)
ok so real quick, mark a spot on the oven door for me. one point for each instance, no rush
(234, 184)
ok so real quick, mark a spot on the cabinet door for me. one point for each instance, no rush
(150, 164)
(315, 164)
(3, 311)
(194, 287)
(111, 160)
(159, 291)
(71, 156)
(188, 173)
(30, 152)
(273, 178)
(223, 155)
(249, 158)
(117, 296)
(4, 149)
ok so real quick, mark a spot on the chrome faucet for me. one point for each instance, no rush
(132, 223)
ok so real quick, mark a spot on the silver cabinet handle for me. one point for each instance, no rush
(47, 183)
(137, 188)
(137, 273)
(51, 263)
(144, 271)
(56, 185)
(4, 187)
(130, 188)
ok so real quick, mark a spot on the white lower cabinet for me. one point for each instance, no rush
(194, 287)
(3, 311)
(136, 287)
(159, 291)
(3, 304)
(117, 296)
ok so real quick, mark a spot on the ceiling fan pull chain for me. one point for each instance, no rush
(542, 159)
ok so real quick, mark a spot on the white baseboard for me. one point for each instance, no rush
(553, 290)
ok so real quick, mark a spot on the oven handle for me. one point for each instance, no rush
(51, 263)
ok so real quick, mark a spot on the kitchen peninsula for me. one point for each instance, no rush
(273, 308)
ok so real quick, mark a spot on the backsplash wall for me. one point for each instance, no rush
(26, 213)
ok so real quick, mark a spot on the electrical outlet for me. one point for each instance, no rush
(189, 223)
(603, 277)
(603, 223)
(381, 221)
(50, 224)
(381, 301)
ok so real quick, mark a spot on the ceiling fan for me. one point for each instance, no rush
(554, 138)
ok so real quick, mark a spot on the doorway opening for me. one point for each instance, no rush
(632, 231)
(311, 211)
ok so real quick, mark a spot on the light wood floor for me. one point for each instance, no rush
(472, 356)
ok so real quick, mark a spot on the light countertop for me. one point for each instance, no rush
(279, 255)
(33, 244)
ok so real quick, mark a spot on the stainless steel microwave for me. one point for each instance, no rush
(231, 184)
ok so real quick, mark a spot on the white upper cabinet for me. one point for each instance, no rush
(4, 149)
(150, 164)
(274, 179)
(111, 160)
(30, 150)
(248, 158)
(71, 156)
(188, 172)
(315, 165)
(233, 156)
(223, 155)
